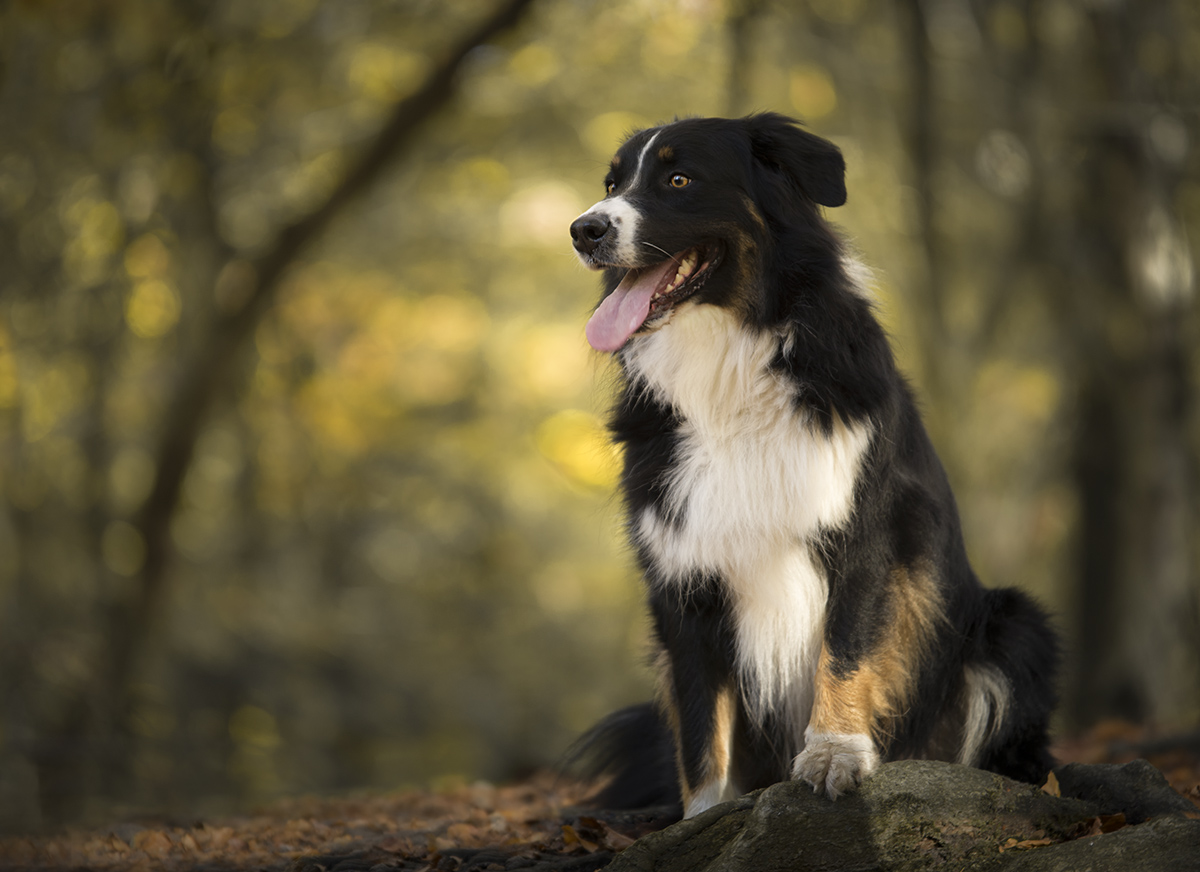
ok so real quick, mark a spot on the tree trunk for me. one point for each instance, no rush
(1138, 655)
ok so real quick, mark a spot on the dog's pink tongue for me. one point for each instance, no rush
(623, 311)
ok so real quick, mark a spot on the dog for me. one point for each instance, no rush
(813, 609)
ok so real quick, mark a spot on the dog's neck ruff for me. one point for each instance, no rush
(754, 471)
(754, 483)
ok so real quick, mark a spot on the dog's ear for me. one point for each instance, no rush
(814, 165)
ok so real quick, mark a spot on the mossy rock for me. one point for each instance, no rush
(918, 815)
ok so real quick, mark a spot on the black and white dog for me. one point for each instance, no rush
(813, 609)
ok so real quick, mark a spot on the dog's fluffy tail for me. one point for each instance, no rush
(631, 755)
(1011, 689)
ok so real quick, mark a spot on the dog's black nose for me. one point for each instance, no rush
(588, 230)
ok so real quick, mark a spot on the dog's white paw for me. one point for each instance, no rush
(836, 762)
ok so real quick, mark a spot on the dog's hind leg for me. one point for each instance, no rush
(1009, 690)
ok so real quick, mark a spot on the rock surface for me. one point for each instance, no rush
(1137, 789)
(918, 815)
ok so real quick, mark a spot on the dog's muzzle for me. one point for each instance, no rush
(588, 231)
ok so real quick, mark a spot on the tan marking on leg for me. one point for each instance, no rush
(666, 703)
(879, 690)
(716, 785)
(844, 704)
(721, 752)
(854, 714)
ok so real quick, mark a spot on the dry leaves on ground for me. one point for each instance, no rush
(426, 827)
(475, 827)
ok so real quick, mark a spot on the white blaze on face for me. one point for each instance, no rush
(624, 217)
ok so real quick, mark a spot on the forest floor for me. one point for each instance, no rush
(471, 827)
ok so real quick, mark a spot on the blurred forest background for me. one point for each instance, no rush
(303, 478)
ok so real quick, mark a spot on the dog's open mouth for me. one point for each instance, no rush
(646, 294)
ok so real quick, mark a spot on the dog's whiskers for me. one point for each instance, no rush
(656, 247)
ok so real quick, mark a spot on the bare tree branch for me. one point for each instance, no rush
(209, 375)
(923, 152)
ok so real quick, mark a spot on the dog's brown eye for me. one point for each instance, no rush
(679, 180)
(610, 187)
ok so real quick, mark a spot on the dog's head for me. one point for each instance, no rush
(693, 209)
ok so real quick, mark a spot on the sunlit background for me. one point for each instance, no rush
(395, 553)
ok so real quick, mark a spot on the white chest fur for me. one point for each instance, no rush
(754, 482)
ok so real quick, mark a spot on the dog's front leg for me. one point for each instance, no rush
(839, 750)
(848, 695)
(697, 692)
(862, 687)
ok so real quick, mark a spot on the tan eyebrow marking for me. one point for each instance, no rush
(666, 153)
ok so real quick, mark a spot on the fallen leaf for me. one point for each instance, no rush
(602, 834)
(1034, 843)
(1015, 844)
(218, 837)
(397, 845)
(467, 835)
(572, 838)
(1106, 823)
(156, 843)
(614, 841)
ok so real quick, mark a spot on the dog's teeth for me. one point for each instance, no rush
(685, 270)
